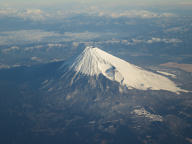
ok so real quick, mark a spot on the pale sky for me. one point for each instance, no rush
(107, 3)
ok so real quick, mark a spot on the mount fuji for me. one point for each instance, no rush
(93, 62)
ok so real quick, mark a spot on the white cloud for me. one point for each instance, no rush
(33, 47)
(141, 14)
(157, 40)
(25, 36)
(173, 40)
(39, 14)
(176, 29)
(35, 59)
(167, 15)
(3, 66)
(47, 46)
(135, 41)
(8, 11)
(10, 49)
(52, 38)
(50, 45)
(32, 14)
(34, 11)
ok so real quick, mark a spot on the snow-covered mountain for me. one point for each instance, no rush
(94, 62)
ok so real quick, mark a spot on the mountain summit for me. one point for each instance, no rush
(94, 61)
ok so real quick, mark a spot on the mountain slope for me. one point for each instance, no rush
(94, 61)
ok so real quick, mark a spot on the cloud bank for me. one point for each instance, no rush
(31, 14)
(40, 15)
(25, 36)
(141, 14)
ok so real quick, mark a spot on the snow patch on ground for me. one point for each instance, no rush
(143, 113)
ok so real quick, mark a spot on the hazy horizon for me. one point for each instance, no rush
(98, 3)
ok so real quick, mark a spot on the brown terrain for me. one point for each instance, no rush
(185, 67)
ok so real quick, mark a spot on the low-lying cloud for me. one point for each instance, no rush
(25, 36)
(144, 14)
(31, 14)
(13, 48)
(39, 14)
(157, 40)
